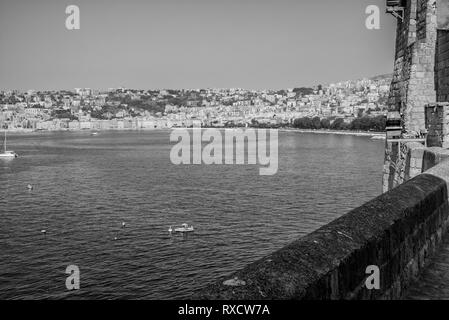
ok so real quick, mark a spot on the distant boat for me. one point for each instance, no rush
(5, 153)
(184, 228)
(94, 133)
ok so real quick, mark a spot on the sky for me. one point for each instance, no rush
(443, 14)
(150, 44)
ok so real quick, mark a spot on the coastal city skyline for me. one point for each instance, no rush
(194, 44)
(329, 106)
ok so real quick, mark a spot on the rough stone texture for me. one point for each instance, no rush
(408, 161)
(421, 86)
(442, 66)
(405, 37)
(403, 161)
(398, 231)
(437, 124)
(433, 156)
(420, 76)
(432, 283)
(413, 84)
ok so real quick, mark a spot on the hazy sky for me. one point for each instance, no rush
(191, 43)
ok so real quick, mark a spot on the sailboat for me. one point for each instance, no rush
(7, 154)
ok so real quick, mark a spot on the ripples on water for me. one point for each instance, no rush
(85, 186)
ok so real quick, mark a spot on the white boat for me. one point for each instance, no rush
(184, 228)
(5, 153)
(378, 137)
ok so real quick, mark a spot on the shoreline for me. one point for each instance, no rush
(338, 132)
(296, 130)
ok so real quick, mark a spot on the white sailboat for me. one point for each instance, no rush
(7, 154)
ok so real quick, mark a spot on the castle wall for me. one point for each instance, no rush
(421, 77)
(413, 84)
(442, 66)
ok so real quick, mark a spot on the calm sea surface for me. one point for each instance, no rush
(86, 186)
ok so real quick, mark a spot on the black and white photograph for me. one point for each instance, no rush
(211, 153)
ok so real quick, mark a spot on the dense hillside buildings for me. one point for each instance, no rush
(87, 109)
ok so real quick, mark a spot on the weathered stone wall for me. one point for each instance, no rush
(421, 74)
(442, 66)
(405, 38)
(403, 162)
(437, 124)
(413, 84)
(398, 232)
(421, 85)
(407, 160)
(432, 157)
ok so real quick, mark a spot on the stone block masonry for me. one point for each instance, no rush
(437, 124)
(403, 162)
(421, 78)
(442, 66)
(413, 84)
(421, 55)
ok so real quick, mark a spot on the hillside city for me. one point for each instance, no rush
(348, 105)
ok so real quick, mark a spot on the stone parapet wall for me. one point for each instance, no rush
(432, 157)
(398, 232)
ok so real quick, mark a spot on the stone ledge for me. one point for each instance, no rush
(433, 156)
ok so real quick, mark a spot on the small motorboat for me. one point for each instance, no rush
(8, 154)
(94, 133)
(184, 228)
